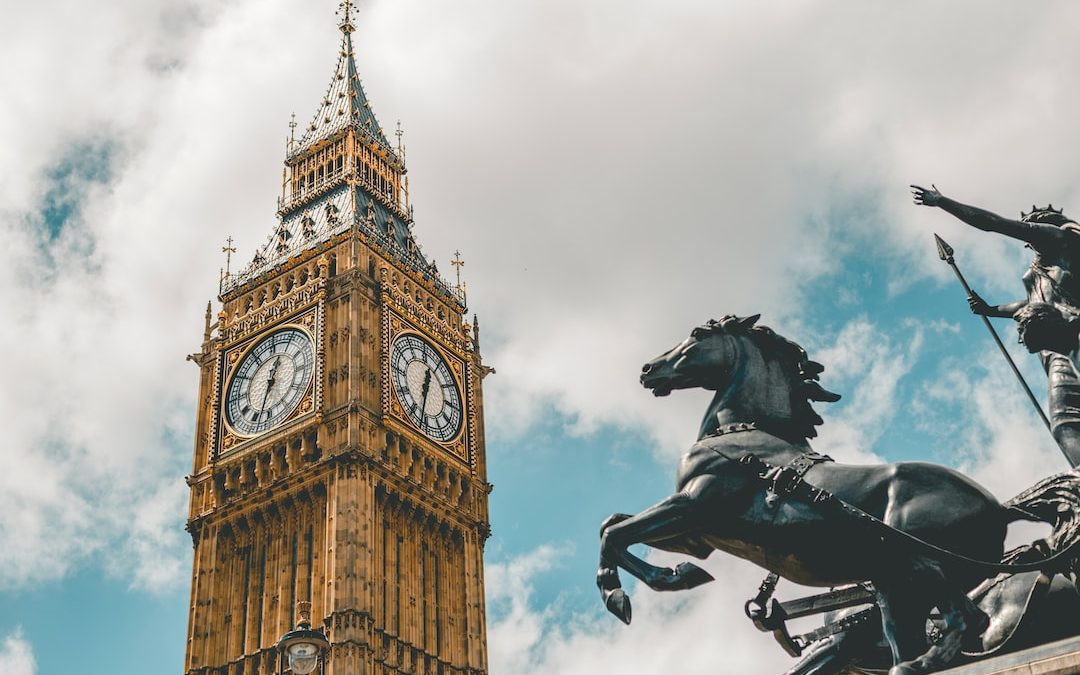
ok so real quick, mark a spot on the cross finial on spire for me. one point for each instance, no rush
(399, 133)
(346, 9)
(458, 263)
(292, 130)
(228, 250)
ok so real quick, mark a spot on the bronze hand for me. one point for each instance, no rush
(925, 197)
(978, 305)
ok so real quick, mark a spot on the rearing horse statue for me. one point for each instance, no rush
(752, 486)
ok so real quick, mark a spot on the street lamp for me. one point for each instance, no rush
(304, 649)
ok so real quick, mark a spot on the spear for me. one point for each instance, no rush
(945, 252)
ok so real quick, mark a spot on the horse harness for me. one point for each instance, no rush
(783, 481)
(787, 481)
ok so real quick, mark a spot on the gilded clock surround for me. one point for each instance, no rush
(344, 503)
(397, 419)
(234, 356)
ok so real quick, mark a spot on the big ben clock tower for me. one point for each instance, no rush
(339, 452)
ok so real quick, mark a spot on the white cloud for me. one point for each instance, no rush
(614, 174)
(985, 426)
(988, 425)
(519, 627)
(17, 655)
(98, 394)
(690, 160)
(702, 631)
(867, 364)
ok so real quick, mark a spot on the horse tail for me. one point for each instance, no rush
(1055, 501)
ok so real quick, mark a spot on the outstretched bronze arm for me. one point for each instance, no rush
(1041, 236)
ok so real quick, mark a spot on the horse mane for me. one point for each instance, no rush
(790, 355)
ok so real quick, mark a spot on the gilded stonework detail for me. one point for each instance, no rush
(275, 310)
(342, 499)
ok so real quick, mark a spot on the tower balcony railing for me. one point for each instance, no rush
(307, 191)
(330, 180)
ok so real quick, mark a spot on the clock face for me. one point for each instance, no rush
(425, 388)
(270, 382)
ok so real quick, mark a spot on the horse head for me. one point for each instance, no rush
(758, 375)
(704, 359)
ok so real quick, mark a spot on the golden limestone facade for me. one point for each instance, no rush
(339, 453)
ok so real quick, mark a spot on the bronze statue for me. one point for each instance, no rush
(922, 534)
(1055, 238)
(1025, 609)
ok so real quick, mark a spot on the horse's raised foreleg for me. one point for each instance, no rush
(671, 518)
(607, 577)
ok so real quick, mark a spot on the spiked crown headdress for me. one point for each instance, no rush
(1047, 214)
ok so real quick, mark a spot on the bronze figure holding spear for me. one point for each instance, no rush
(1055, 238)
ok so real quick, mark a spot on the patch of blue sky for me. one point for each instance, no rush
(90, 623)
(85, 163)
(870, 283)
(94, 619)
(555, 488)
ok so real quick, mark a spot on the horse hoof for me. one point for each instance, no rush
(691, 575)
(618, 603)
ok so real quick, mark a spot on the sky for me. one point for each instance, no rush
(613, 174)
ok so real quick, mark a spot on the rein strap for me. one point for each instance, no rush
(794, 486)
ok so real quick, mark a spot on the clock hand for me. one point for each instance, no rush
(269, 383)
(426, 389)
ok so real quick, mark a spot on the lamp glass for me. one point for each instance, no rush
(303, 657)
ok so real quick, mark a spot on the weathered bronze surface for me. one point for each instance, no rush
(1055, 239)
(923, 535)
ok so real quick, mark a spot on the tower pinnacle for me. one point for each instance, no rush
(345, 10)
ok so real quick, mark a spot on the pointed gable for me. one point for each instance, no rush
(345, 103)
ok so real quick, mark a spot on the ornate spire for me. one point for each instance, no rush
(345, 102)
(342, 173)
